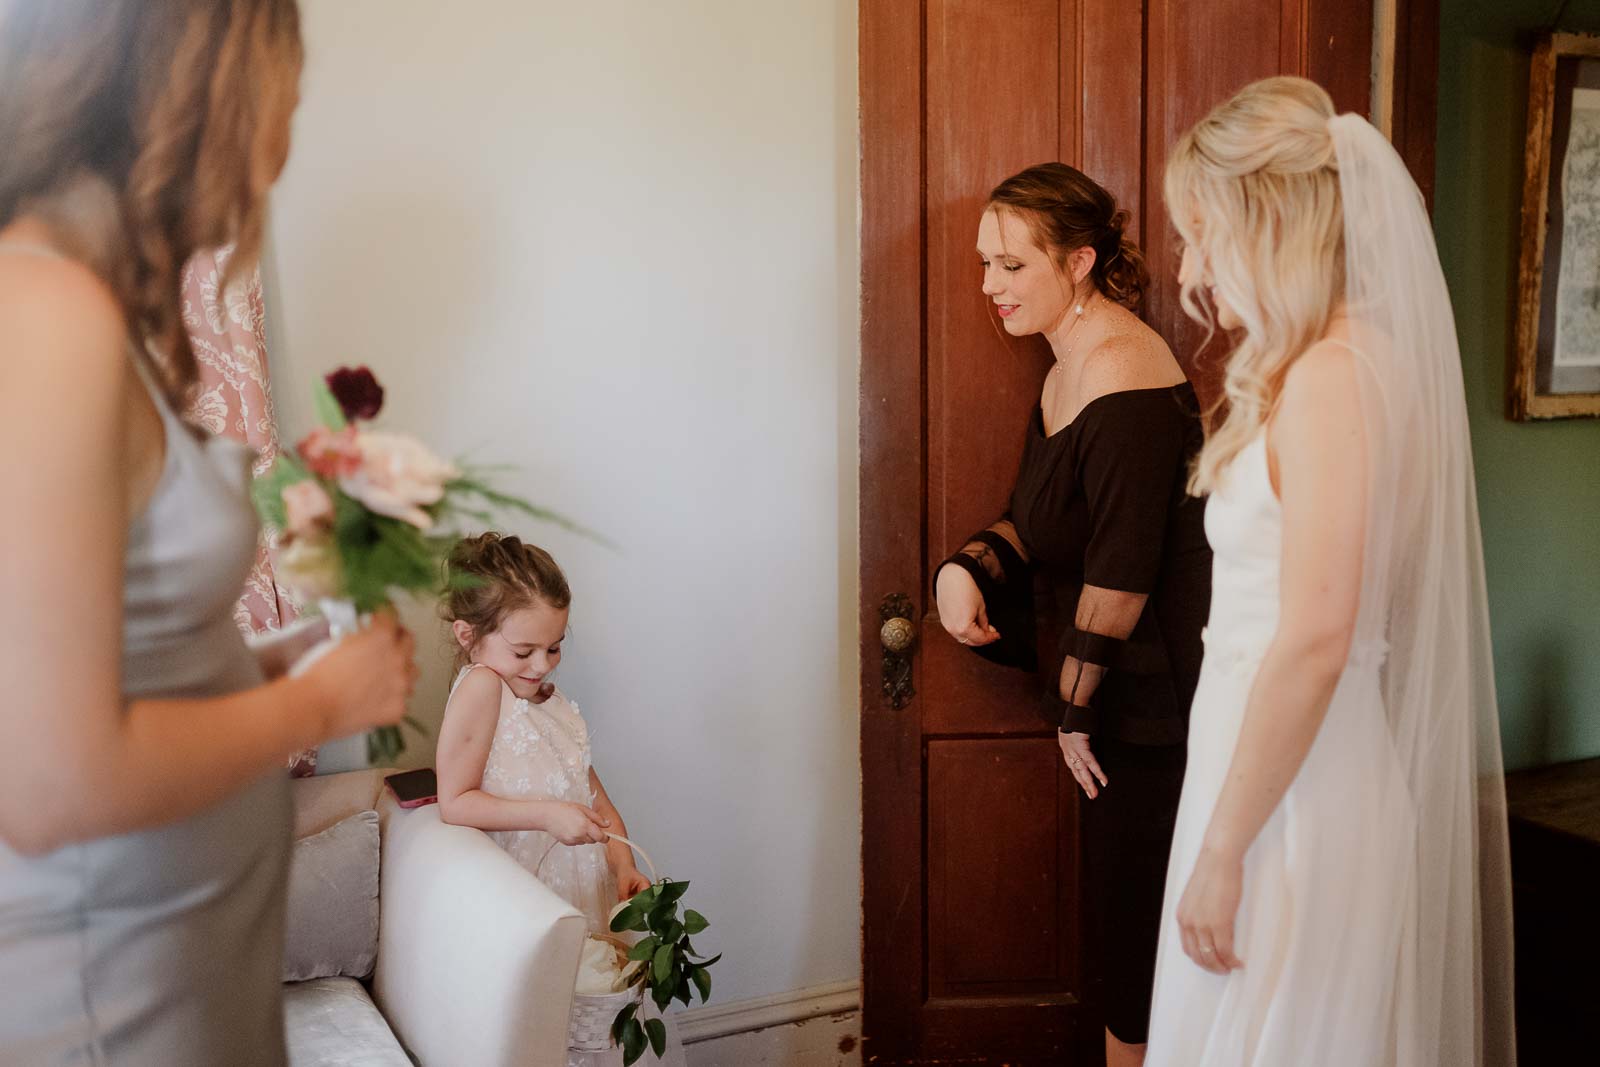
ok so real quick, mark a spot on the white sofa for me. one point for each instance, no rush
(476, 958)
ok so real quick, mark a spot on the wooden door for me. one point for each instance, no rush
(972, 944)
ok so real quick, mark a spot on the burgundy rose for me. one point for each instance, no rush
(357, 391)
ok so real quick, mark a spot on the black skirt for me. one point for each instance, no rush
(1127, 837)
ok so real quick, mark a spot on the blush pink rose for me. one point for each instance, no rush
(330, 453)
(398, 477)
(308, 509)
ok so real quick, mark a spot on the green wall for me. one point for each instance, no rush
(1538, 483)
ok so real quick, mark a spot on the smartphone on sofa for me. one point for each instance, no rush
(413, 789)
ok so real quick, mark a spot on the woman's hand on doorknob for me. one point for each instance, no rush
(961, 608)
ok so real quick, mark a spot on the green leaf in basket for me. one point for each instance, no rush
(702, 982)
(672, 892)
(673, 934)
(658, 1036)
(707, 963)
(662, 996)
(644, 950)
(662, 966)
(621, 1020)
(694, 922)
(682, 992)
(328, 409)
(625, 919)
(633, 1042)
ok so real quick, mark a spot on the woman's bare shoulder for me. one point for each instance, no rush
(61, 313)
(1324, 375)
(1129, 356)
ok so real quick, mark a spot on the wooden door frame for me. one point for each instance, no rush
(893, 548)
(893, 544)
(1414, 116)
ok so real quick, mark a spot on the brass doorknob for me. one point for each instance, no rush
(897, 634)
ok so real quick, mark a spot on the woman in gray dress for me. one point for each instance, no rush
(144, 820)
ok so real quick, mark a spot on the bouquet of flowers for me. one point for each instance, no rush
(357, 514)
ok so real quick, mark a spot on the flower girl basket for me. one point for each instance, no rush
(593, 1013)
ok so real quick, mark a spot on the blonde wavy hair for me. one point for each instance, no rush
(1253, 189)
(143, 131)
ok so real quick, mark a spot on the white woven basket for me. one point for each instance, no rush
(592, 1015)
(589, 1029)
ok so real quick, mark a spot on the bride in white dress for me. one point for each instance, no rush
(1338, 890)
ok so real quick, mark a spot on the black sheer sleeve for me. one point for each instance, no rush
(995, 559)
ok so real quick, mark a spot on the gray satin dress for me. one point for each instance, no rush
(162, 948)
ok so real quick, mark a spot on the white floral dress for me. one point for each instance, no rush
(541, 752)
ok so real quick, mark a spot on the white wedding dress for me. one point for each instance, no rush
(1375, 921)
(1319, 925)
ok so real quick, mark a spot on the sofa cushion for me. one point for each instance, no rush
(321, 802)
(332, 924)
(331, 1022)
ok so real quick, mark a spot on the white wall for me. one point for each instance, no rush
(614, 242)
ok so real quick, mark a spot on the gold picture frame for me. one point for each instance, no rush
(1554, 369)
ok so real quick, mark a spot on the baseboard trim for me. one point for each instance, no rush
(758, 1013)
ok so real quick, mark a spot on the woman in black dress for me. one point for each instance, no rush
(1099, 505)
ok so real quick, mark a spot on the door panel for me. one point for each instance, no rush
(1001, 915)
(1199, 54)
(993, 107)
(1002, 84)
(1111, 99)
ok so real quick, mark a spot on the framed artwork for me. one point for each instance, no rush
(1555, 362)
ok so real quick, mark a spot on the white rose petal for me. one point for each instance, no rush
(310, 567)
